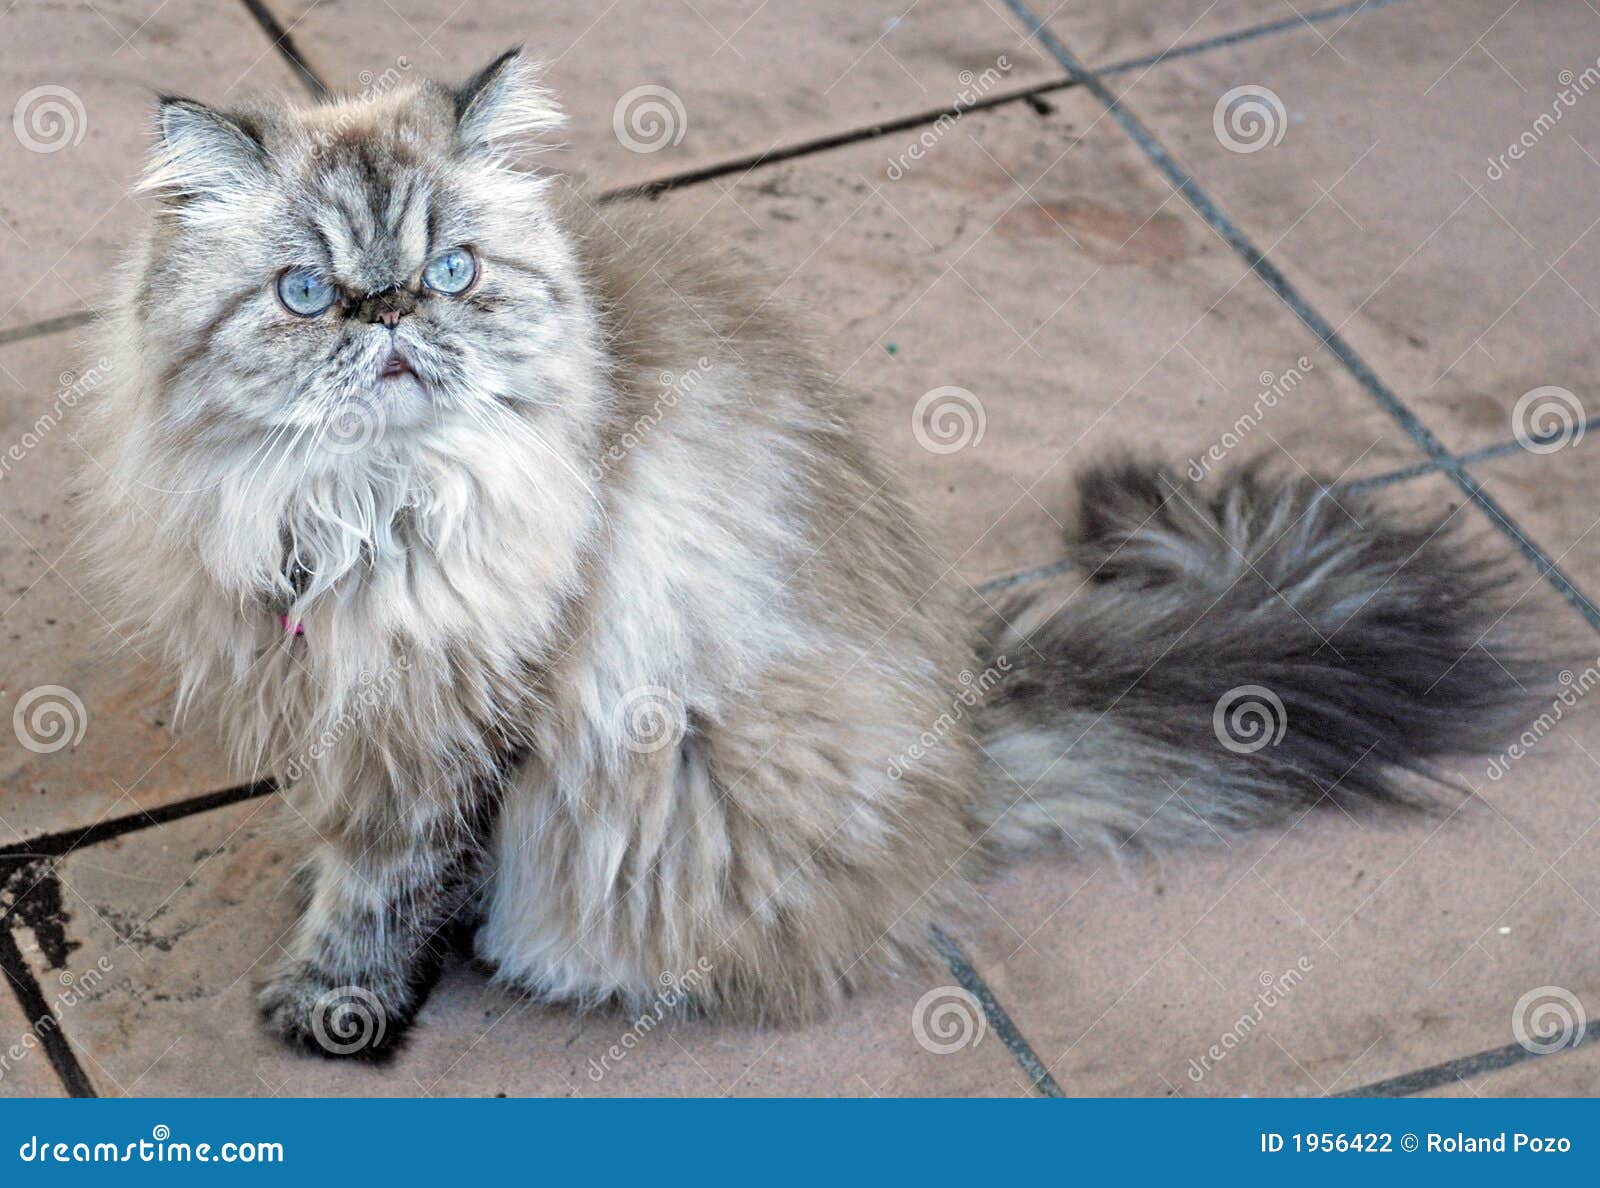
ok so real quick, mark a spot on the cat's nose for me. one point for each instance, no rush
(387, 307)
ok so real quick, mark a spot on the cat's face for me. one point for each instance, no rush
(353, 273)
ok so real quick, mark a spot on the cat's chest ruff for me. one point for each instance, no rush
(387, 561)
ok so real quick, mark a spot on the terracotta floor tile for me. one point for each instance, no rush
(1380, 203)
(82, 96)
(95, 737)
(1104, 34)
(739, 78)
(186, 915)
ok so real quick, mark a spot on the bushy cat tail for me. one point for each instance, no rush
(1236, 652)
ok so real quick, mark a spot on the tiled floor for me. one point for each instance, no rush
(1077, 250)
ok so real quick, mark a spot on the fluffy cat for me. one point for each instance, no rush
(535, 553)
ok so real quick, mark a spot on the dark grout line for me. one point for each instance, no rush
(1249, 33)
(1031, 95)
(819, 144)
(1389, 478)
(54, 325)
(41, 1019)
(1452, 1071)
(1486, 453)
(284, 44)
(1547, 568)
(999, 1021)
(1201, 202)
(1008, 580)
(1470, 458)
(54, 845)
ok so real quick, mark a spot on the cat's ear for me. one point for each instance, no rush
(503, 105)
(203, 153)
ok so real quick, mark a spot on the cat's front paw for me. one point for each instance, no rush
(299, 1005)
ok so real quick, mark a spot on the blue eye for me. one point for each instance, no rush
(451, 272)
(304, 292)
